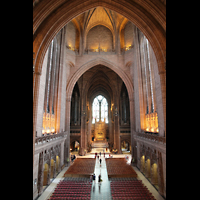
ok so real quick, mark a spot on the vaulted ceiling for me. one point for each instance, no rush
(50, 16)
(100, 80)
(99, 16)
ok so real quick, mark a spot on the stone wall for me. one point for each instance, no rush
(99, 36)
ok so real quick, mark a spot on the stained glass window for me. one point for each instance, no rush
(99, 104)
(95, 110)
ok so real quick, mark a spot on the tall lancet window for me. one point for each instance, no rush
(99, 109)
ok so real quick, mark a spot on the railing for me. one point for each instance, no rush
(73, 49)
(152, 137)
(126, 48)
(99, 51)
(48, 138)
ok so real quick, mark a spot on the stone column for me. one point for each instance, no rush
(40, 173)
(62, 153)
(54, 169)
(36, 84)
(83, 132)
(137, 81)
(75, 108)
(160, 174)
(67, 132)
(124, 106)
(116, 131)
(133, 131)
(61, 87)
(52, 80)
(100, 111)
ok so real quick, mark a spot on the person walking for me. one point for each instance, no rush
(94, 177)
(91, 178)
(99, 178)
(100, 161)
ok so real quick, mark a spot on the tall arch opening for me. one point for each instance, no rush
(100, 111)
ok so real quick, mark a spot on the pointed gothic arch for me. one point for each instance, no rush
(149, 17)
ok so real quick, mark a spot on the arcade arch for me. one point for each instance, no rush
(74, 146)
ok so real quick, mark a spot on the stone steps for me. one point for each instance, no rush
(98, 150)
(100, 144)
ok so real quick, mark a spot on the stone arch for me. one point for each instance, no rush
(92, 63)
(72, 140)
(149, 17)
(75, 139)
(53, 153)
(127, 141)
(154, 173)
(83, 69)
(147, 153)
(142, 163)
(147, 167)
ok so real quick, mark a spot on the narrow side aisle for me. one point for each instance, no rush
(148, 184)
(46, 194)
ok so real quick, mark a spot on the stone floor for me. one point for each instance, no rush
(100, 191)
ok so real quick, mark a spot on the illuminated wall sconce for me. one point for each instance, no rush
(48, 130)
(128, 47)
(52, 129)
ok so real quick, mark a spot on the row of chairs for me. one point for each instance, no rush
(81, 165)
(130, 198)
(76, 179)
(70, 198)
(74, 184)
(118, 166)
(72, 190)
(133, 189)
(72, 195)
(88, 184)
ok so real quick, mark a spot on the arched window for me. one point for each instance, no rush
(99, 109)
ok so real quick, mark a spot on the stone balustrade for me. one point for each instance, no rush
(48, 138)
(152, 137)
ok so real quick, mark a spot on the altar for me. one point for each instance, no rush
(100, 131)
(100, 143)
